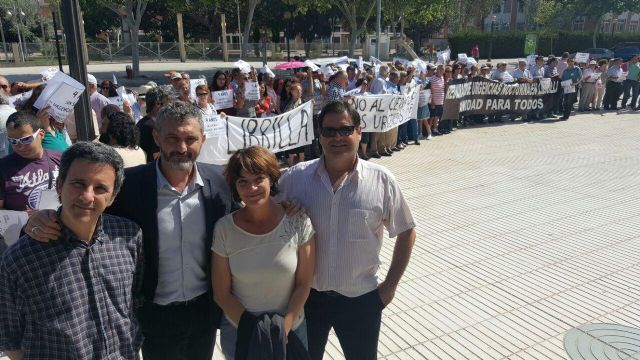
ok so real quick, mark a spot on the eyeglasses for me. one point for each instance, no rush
(202, 94)
(333, 132)
(24, 140)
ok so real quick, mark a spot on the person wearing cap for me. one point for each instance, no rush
(574, 74)
(176, 81)
(614, 85)
(485, 72)
(588, 91)
(631, 83)
(97, 100)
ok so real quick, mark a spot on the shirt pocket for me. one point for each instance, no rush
(362, 224)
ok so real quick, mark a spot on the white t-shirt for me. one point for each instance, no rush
(263, 266)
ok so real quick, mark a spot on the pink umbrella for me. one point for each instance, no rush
(291, 65)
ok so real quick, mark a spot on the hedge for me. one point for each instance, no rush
(510, 44)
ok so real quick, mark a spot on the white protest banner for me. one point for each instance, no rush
(462, 58)
(194, 84)
(251, 90)
(582, 58)
(61, 94)
(275, 133)
(223, 99)
(360, 63)
(380, 113)
(11, 222)
(425, 97)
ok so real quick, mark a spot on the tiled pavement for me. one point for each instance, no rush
(525, 231)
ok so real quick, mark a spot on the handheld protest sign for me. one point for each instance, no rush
(223, 99)
(61, 94)
(251, 91)
(582, 58)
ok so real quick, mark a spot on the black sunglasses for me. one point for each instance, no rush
(333, 132)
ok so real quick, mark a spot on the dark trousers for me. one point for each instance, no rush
(356, 322)
(630, 87)
(611, 95)
(567, 102)
(402, 133)
(413, 132)
(184, 331)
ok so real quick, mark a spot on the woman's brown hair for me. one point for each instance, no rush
(255, 160)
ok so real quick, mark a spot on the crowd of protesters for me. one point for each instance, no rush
(158, 138)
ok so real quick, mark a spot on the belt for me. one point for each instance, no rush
(330, 293)
(183, 303)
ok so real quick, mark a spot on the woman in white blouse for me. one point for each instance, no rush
(263, 260)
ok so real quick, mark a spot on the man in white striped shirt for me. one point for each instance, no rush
(349, 202)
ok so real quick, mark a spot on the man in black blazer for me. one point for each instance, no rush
(176, 201)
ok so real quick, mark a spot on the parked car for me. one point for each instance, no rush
(600, 53)
(625, 45)
(627, 53)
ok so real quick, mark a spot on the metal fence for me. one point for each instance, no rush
(45, 52)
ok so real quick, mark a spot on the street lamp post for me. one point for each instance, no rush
(287, 17)
(493, 24)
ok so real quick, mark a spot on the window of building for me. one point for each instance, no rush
(633, 26)
(606, 27)
(578, 24)
(620, 25)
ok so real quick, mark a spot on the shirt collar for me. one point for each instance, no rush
(196, 179)
(70, 240)
(356, 173)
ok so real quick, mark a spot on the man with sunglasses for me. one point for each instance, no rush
(30, 170)
(349, 202)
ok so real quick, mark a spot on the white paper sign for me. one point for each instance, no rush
(20, 99)
(462, 58)
(582, 58)
(566, 83)
(443, 56)
(11, 222)
(311, 65)
(380, 113)
(545, 83)
(251, 90)
(425, 97)
(194, 85)
(360, 63)
(374, 61)
(223, 99)
(61, 94)
(569, 89)
(214, 125)
(275, 133)
(48, 200)
(117, 100)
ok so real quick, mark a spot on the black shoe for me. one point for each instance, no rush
(386, 153)
(417, 142)
(376, 155)
(564, 118)
(396, 148)
(365, 158)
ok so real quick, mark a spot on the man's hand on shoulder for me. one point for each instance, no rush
(43, 226)
(292, 208)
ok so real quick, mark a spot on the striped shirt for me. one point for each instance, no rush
(349, 221)
(72, 300)
(437, 90)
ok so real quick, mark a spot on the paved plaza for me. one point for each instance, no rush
(525, 231)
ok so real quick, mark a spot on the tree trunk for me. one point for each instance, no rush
(352, 41)
(135, 54)
(247, 28)
(595, 29)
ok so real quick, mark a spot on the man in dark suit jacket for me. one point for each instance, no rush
(176, 202)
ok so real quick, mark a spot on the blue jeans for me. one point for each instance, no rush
(630, 87)
(402, 133)
(229, 333)
(412, 130)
